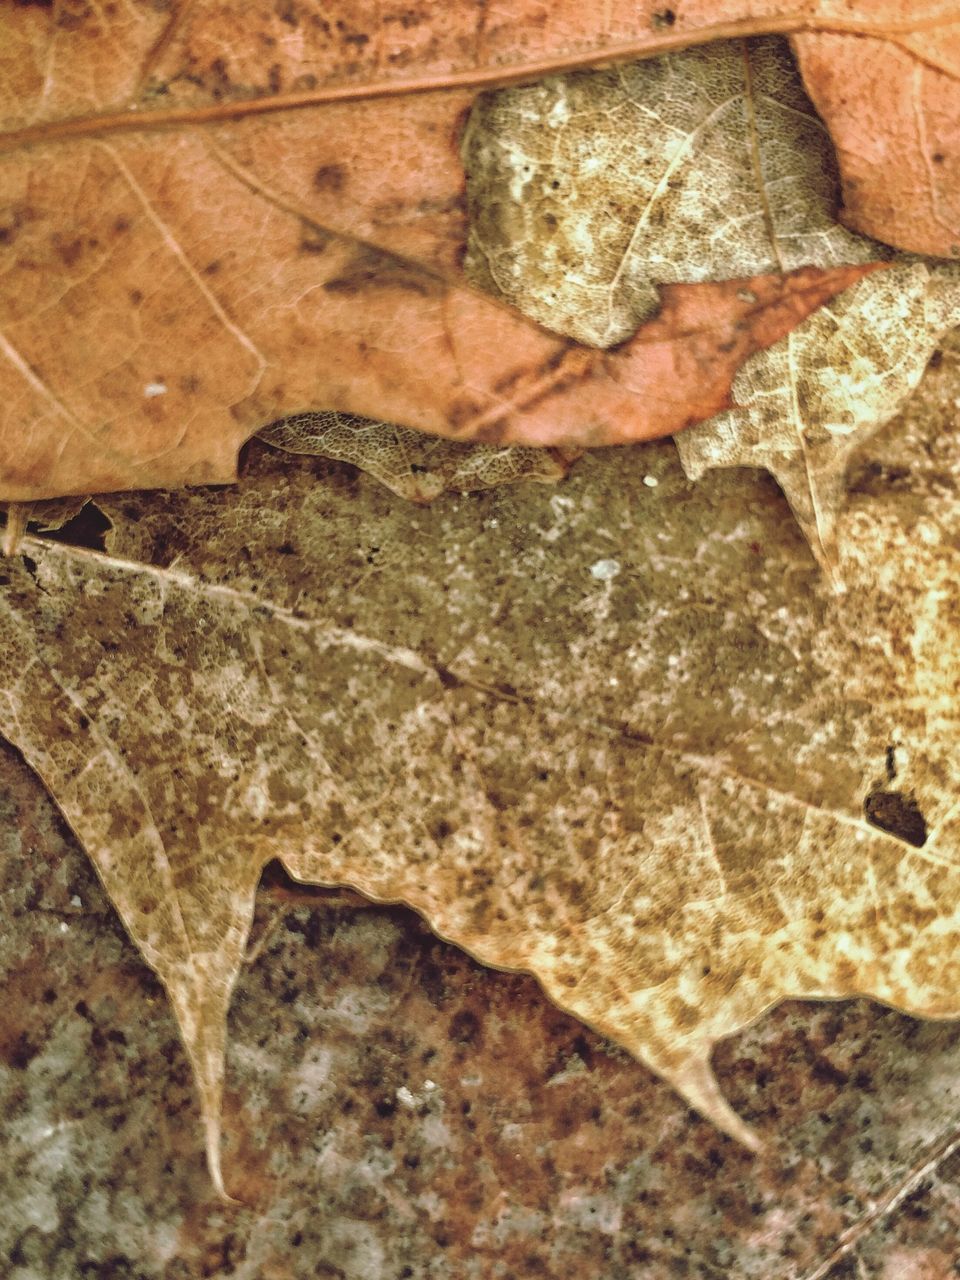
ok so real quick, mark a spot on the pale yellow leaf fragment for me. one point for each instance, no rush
(411, 464)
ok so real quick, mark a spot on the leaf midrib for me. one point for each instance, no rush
(411, 660)
(132, 119)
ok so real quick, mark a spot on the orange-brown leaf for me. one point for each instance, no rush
(197, 207)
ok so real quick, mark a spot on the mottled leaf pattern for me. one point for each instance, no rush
(589, 191)
(622, 735)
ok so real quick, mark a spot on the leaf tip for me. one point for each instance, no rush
(211, 1123)
(695, 1081)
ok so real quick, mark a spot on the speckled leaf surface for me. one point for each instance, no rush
(588, 191)
(622, 736)
(415, 466)
(393, 1109)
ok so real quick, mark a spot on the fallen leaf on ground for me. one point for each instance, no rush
(897, 134)
(415, 466)
(198, 203)
(721, 166)
(622, 737)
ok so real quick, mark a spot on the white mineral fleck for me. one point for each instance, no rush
(604, 570)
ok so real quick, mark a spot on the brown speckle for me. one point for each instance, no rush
(370, 269)
(330, 177)
(314, 239)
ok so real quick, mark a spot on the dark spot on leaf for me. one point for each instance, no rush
(489, 432)
(508, 380)
(825, 1072)
(70, 21)
(70, 252)
(330, 177)
(370, 269)
(22, 1052)
(465, 1028)
(313, 239)
(448, 679)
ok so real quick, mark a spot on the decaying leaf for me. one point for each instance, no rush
(416, 466)
(587, 193)
(720, 167)
(804, 410)
(622, 736)
(218, 215)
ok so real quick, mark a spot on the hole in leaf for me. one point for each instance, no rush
(897, 813)
(88, 528)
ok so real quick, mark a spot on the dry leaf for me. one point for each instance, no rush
(197, 204)
(897, 133)
(803, 411)
(721, 167)
(623, 737)
(415, 466)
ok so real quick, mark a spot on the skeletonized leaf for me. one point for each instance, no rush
(805, 406)
(413, 465)
(589, 191)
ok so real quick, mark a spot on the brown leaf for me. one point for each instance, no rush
(624, 738)
(901, 178)
(207, 223)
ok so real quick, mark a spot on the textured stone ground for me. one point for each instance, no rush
(396, 1112)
